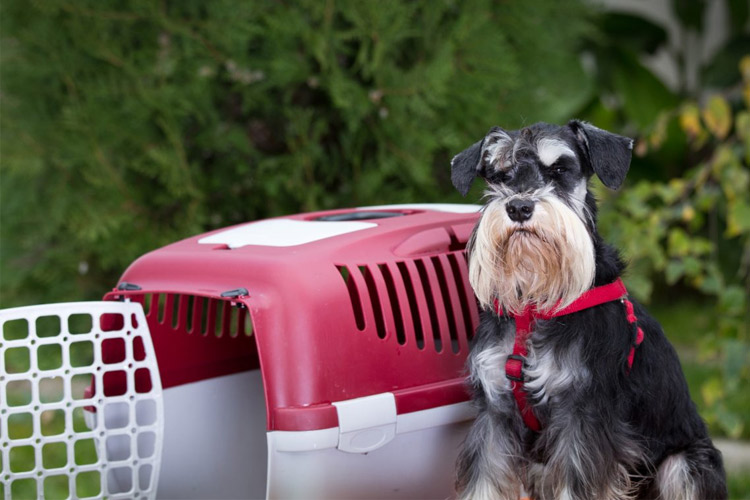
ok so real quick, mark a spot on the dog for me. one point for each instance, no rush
(579, 394)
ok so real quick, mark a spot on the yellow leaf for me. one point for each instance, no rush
(688, 213)
(690, 120)
(718, 116)
(659, 133)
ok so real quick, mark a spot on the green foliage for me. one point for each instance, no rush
(129, 124)
(682, 222)
(695, 230)
(629, 97)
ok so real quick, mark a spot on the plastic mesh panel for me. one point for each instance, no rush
(81, 410)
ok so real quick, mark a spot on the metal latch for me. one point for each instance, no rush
(366, 424)
(238, 292)
(129, 287)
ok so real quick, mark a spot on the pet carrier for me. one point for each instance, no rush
(319, 355)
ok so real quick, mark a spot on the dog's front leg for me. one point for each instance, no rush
(490, 463)
(590, 455)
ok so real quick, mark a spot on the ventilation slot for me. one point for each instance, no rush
(395, 306)
(469, 305)
(428, 293)
(413, 307)
(197, 315)
(351, 286)
(374, 300)
(175, 311)
(448, 303)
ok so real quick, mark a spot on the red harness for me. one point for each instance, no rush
(525, 324)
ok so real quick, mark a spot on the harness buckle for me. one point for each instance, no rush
(509, 370)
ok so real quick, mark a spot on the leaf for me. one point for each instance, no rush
(718, 116)
(712, 391)
(679, 243)
(674, 271)
(712, 282)
(693, 266)
(734, 177)
(688, 213)
(690, 122)
(659, 133)
(738, 219)
(640, 286)
(732, 300)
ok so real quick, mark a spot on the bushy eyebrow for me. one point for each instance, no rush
(550, 150)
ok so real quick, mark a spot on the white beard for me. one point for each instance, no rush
(547, 262)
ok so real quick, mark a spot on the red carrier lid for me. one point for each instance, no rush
(342, 304)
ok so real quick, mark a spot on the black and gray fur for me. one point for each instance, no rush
(606, 433)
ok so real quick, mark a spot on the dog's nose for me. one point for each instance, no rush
(520, 210)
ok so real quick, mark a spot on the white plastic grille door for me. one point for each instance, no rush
(81, 409)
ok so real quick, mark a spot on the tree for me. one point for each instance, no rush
(129, 124)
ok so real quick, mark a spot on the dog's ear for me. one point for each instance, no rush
(608, 154)
(468, 164)
(465, 166)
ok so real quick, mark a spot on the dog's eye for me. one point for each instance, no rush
(498, 177)
(558, 168)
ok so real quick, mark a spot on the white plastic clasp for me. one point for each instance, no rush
(366, 424)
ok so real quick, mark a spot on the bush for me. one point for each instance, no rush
(695, 231)
(130, 124)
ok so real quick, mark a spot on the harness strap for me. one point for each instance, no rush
(638, 334)
(514, 368)
(525, 321)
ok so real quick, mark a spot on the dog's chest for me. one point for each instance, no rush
(553, 369)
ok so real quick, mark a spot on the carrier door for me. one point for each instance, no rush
(81, 402)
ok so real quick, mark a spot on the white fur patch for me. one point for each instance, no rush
(498, 145)
(550, 374)
(571, 456)
(483, 489)
(578, 201)
(550, 150)
(488, 368)
(497, 468)
(674, 479)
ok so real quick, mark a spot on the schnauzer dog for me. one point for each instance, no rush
(580, 395)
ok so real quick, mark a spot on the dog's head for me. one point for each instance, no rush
(534, 242)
